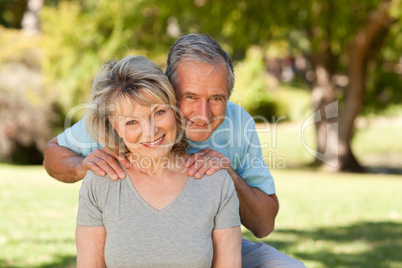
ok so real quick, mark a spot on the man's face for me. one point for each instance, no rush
(202, 96)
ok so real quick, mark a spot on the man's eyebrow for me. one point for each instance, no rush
(189, 93)
(223, 96)
(219, 95)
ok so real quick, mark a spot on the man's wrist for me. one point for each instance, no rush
(79, 171)
(233, 174)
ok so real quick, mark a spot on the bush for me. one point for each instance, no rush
(25, 105)
(251, 89)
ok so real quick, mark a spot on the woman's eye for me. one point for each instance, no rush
(131, 122)
(160, 112)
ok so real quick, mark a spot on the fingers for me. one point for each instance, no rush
(104, 162)
(121, 157)
(124, 161)
(94, 167)
(206, 161)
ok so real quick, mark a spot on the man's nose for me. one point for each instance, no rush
(203, 109)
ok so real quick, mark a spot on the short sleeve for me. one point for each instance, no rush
(253, 168)
(89, 208)
(78, 138)
(228, 212)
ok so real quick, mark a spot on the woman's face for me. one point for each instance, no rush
(148, 131)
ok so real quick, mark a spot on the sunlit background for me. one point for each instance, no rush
(323, 79)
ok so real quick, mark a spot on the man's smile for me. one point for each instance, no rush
(201, 124)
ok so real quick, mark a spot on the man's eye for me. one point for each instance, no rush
(160, 112)
(190, 97)
(131, 122)
(217, 98)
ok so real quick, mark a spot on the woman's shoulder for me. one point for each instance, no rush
(218, 179)
(94, 180)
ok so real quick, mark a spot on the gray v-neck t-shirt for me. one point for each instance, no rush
(179, 235)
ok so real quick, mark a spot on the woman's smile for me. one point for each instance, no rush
(155, 143)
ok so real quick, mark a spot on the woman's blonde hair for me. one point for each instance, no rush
(131, 78)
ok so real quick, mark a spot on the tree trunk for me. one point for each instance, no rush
(30, 22)
(323, 100)
(333, 143)
(365, 47)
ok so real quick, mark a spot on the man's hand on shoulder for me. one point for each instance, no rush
(207, 161)
(103, 161)
(67, 166)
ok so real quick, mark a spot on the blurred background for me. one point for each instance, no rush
(322, 77)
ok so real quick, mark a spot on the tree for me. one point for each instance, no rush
(357, 45)
(344, 38)
(340, 37)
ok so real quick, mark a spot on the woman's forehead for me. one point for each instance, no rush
(127, 106)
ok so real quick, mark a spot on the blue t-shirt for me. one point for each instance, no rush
(236, 138)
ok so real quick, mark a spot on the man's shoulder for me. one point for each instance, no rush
(217, 180)
(238, 116)
(235, 110)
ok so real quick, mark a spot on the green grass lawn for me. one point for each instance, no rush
(339, 220)
(374, 144)
(325, 220)
(37, 219)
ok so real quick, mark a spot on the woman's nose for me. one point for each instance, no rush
(149, 131)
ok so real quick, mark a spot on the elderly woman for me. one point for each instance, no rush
(158, 216)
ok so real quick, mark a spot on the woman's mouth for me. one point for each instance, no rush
(154, 143)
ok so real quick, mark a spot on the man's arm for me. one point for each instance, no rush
(67, 166)
(257, 209)
(227, 247)
(62, 163)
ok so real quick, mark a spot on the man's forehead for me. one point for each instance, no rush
(208, 69)
(194, 76)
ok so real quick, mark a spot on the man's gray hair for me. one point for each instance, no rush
(199, 48)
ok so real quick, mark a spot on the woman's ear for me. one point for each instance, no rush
(114, 123)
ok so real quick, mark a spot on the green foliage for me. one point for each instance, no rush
(81, 36)
(11, 12)
(25, 104)
(251, 89)
(19, 49)
(382, 91)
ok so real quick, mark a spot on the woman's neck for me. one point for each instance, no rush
(159, 166)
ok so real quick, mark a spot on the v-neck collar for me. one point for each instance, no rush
(148, 206)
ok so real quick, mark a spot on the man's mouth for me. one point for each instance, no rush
(155, 142)
(199, 124)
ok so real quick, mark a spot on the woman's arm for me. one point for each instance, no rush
(90, 243)
(227, 247)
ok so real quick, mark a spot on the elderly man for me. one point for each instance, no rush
(220, 133)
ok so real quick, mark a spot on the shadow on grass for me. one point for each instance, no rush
(383, 170)
(61, 261)
(366, 169)
(382, 239)
(383, 244)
